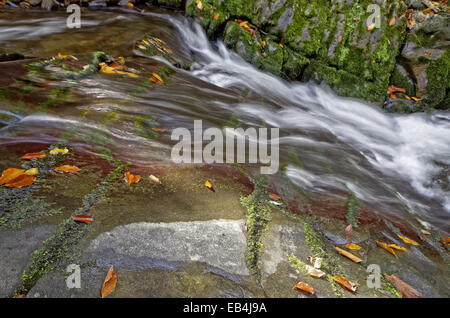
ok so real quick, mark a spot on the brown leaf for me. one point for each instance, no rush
(110, 282)
(314, 272)
(83, 218)
(10, 174)
(21, 181)
(20, 296)
(394, 89)
(132, 178)
(315, 261)
(348, 255)
(410, 21)
(349, 233)
(386, 247)
(305, 287)
(274, 196)
(408, 240)
(33, 155)
(345, 282)
(403, 288)
(67, 168)
(392, 21)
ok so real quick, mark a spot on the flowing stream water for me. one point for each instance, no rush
(342, 145)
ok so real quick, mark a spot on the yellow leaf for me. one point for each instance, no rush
(56, 151)
(425, 232)
(281, 45)
(353, 246)
(130, 178)
(348, 255)
(145, 42)
(397, 247)
(386, 247)
(32, 171)
(156, 78)
(60, 56)
(371, 27)
(407, 240)
(416, 98)
(127, 73)
(67, 168)
(10, 174)
(121, 60)
(155, 179)
(209, 186)
(141, 47)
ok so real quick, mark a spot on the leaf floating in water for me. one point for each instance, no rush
(407, 240)
(67, 168)
(21, 181)
(305, 287)
(403, 288)
(32, 171)
(314, 272)
(397, 247)
(209, 186)
(353, 246)
(348, 255)
(10, 174)
(386, 247)
(56, 151)
(345, 282)
(155, 179)
(349, 233)
(110, 282)
(33, 155)
(274, 196)
(130, 178)
(83, 218)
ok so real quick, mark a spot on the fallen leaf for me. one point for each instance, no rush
(10, 174)
(425, 232)
(410, 21)
(407, 97)
(121, 60)
(130, 178)
(403, 288)
(156, 78)
(339, 39)
(20, 296)
(427, 10)
(155, 179)
(60, 56)
(314, 272)
(349, 232)
(315, 261)
(21, 181)
(407, 240)
(281, 45)
(397, 247)
(386, 247)
(305, 287)
(209, 186)
(32, 171)
(274, 196)
(348, 255)
(392, 21)
(160, 130)
(83, 218)
(216, 16)
(110, 282)
(353, 246)
(394, 89)
(129, 5)
(33, 155)
(199, 5)
(371, 27)
(392, 95)
(446, 239)
(67, 168)
(416, 98)
(345, 282)
(56, 151)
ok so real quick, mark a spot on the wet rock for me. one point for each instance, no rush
(172, 3)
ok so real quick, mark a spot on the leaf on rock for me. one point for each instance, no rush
(446, 239)
(397, 247)
(314, 272)
(345, 282)
(32, 171)
(315, 261)
(56, 151)
(349, 233)
(394, 89)
(20, 296)
(305, 287)
(83, 218)
(408, 240)
(110, 282)
(21, 181)
(209, 186)
(10, 174)
(160, 130)
(386, 247)
(425, 232)
(130, 178)
(403, 288)
(274, 196)
(156, 78)
(67, 168)
(371, 27)
(348, 255)
(155, 179)
(33, 155)
(353, 246)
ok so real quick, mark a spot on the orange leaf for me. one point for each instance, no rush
(403, 288)
(349, 232)
(407, 240)
(305, 287)
(348, 255)
(274, 196)
(67, 168)
(160, 130)
(21, 181)
(446, 239)
(33, 155)
(110, 282)
(394, 89)
(132, 178)
(156, 78)
(345, 282)
(129, 5)
(216, 16)
(83, 218)
(10, 174)
(397, 247)
(386, 247)
(155, 179)
(392, 21)
(353, 246)
(20, 296)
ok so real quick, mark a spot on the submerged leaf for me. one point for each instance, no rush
(386, 247)
(403, 288)
(67, 168)
(305, 287)
(345, 282)
(408, 240)
(110, 282)
(33, 155)
(83, 218)
(348, 255)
